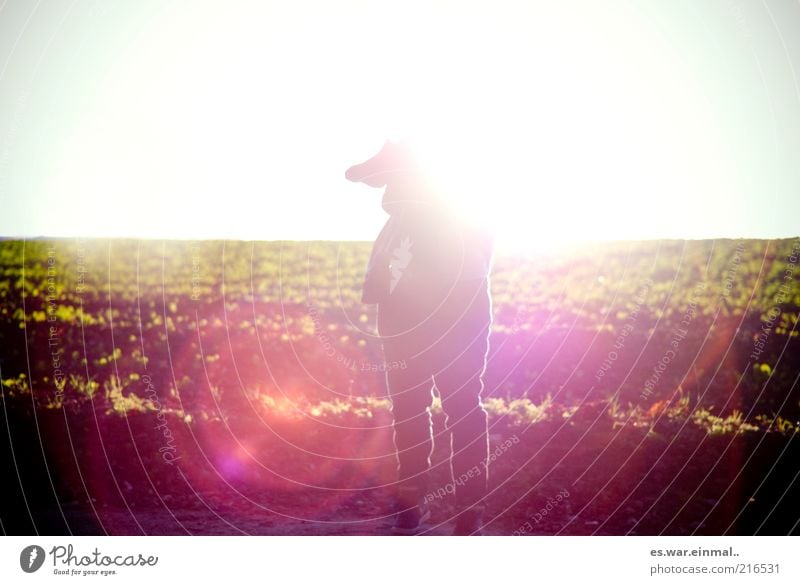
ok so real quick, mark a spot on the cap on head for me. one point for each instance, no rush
(393, 159)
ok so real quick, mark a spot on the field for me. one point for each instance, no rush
(214, 387)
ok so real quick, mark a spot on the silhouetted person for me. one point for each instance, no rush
(429, 275)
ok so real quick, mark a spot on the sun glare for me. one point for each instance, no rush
(552, 126)
(553, 138)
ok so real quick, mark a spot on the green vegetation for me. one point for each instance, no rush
(215, 323)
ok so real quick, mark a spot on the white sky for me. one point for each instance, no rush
(237, 120)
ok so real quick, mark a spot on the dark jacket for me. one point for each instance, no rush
(422, 251)
(424, 247)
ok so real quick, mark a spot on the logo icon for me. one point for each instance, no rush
(401, 257)
(31, 558)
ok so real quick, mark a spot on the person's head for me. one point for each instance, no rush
(393, 163)
(397, 168)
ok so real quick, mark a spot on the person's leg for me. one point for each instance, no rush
(459, 380)
(409, 388)
(410, 391)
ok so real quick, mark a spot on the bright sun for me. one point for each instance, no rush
(570, 125)
(554, 138)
